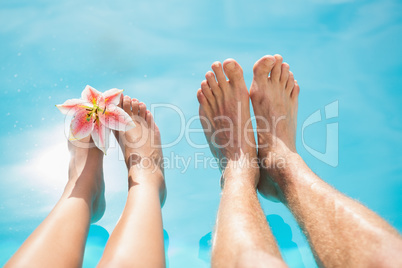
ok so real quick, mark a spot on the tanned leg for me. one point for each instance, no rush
(137, 240)
(242, 237)
(341, 231)
(59, 241)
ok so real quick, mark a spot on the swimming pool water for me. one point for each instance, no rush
(341, 51)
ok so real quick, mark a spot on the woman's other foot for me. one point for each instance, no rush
(141, 147)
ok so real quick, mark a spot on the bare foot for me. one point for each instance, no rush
(86, 167)
(141, 147)
(274, 95)
(225, 117)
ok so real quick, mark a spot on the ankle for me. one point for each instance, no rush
(86, 164)
(150, 178)
(150, 190)
(288, 175)
(240, 176)
(279, 165)
(85, 182)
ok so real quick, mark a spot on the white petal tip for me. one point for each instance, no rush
(131, 124)
(130, 127)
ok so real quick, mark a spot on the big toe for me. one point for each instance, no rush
(233, 71)
(127, 105)
(262, 68)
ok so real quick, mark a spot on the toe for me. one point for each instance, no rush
(212, 81)
(201, 97)
(143, 110)
(220, 76)
(149, 118)
(233, 71)
(290, 84)
(135, 106)
(276, 71)
(151, 122)
(295, 91)
(206, 90)
(262, 68)
(127, 104)
(284, 74)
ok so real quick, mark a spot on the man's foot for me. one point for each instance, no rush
(86, 171)
(225, 117)
(141, 146)
(274, 95)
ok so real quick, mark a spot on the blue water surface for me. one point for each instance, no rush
(343, 52)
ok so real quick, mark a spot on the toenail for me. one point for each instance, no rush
(216, 64)
(230, 65)
(279, 57)
(270, 59)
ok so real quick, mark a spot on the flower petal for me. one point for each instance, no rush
(90, 95)
(116, 118)
(80, 126)
(72, 106)
(100, 135)
(111, 96)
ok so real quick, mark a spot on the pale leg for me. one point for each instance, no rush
(59, 241)
(137, 240)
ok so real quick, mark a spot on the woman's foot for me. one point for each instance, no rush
(141, 147)
(86, 175)
(274, 95)
(225, 117)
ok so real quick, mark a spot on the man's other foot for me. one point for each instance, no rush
(274, 95)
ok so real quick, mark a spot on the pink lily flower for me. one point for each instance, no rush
(96, 114)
